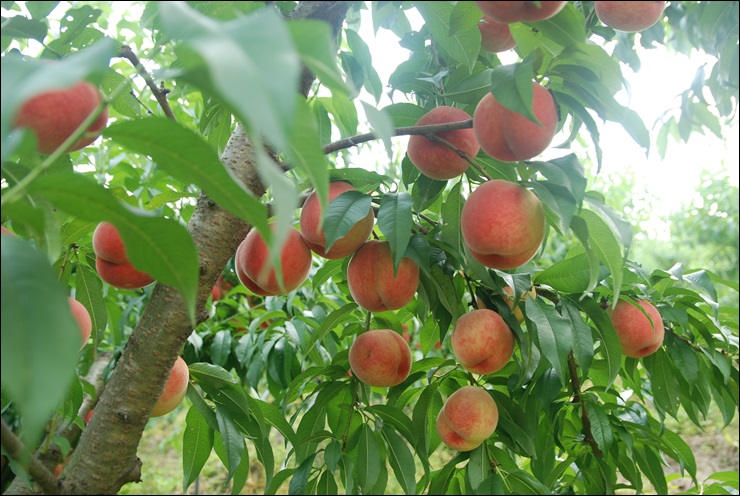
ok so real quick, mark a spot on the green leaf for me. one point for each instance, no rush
(24, 28)
(395, 222)
(583, 340)
(606, 245)
(512, 87)
(404, 114)
(650, 464)
(566, 28)
(600, 426)
(611, 349)
(301, 476)
(39, 348)
(479, 467)
(342, 213)
(89, 292)
(426, 191)
(401, 460)
(327, 484)
(232, 440)
(331, 321)
(252, 63)
(568, 276)
(382, 125)
(197, 442)
(368, 459)
(451, 211)
(684, 358)
(396, 418)
(221, 347)
(463, 46)
(313, 40)
(157, 246)
(275, 417)
(553, 334)
(665, 387)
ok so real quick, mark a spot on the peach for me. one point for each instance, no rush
(503, 224)
(637, 335)
(313, 234)
(467, 419)
(82, 317)
(89, 416)
(111, 261)
(253, 259)
(509, 12)
(380, 358)
(509, 299)
(629, 16)
(509, 136)
(7, 231)
(436, 160)
(482, 342)
(174, 389)
(55, 115)
(58, 470)
(371, 281)
(495, 36)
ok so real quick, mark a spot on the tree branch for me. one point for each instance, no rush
(578, 398)
(426, 131)
(40, 474)
(159, 93)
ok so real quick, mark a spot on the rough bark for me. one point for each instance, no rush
(105, 458)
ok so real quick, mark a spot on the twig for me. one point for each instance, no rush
(159, 93)
(17, 451)
(462, 154)
(399, 131)
(578, 398)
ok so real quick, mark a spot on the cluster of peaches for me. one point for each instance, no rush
(502, 224)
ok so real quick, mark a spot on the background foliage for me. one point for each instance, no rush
(275, 368)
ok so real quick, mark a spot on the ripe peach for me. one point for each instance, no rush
(82, 316)
(313, 235)
(111, 261)
(509, 299)
(638, 336)
(509, 136)
(380, 358)
(503, 224)
(467, 419)
(55, 115)
(371, 281)
(58, 470)
(253, 257)
(174, 389)
(89, 416)
(509, 12)
(629, 16)
(495, 36)
(7, 231)
(482, 342)
(436, 160)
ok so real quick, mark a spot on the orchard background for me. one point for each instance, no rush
(224, 117)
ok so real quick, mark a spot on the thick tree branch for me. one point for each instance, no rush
(159, 93)
(578, 398)
(427, 131)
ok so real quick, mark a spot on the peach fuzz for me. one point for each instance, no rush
(527, 11)
(111, 261)
(495, 37)
(82, 317)
(314, 236)
(371, 281)
(637, 335)
(509, 136)
(630, 17)
(436, 160)
(467, 419)
(482, 342)
(380, 358)
(55, 115)
(503, 224)
(174, 389)
(253, 259)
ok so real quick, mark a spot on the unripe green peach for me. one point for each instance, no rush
(55, 115)
(482, 342)
(380, 358)
(371, 280)
(509, 136)
(174, 389)
(314, 236)
(436, 160)
(467, 419)
(637, 335)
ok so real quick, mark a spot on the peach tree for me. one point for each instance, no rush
(225, 118)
